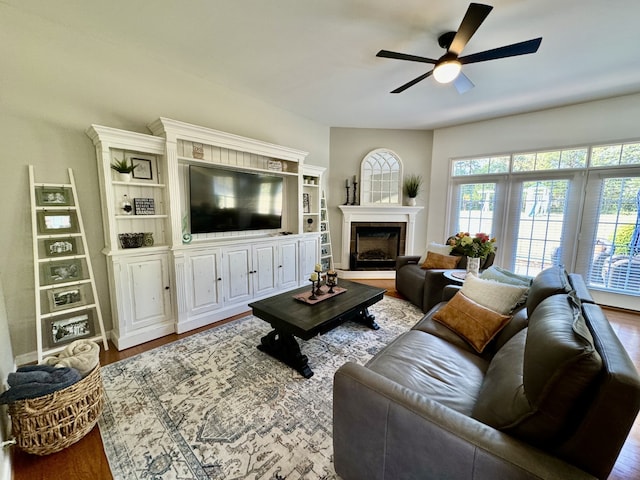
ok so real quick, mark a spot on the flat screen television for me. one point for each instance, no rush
(222, 200)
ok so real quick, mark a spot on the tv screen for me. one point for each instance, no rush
(226, 200)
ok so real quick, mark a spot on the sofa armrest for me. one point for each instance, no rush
(403, 260)
(449, 291)
(384, 431)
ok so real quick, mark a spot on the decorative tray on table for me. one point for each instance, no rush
(306, 296)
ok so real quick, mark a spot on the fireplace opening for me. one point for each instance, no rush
(376, 246)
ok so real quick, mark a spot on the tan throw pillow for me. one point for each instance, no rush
(499, 297)
(435, 260)
(434, 247)
(473, 322)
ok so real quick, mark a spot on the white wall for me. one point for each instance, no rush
(54, 85)
(349, 146)
(611, 120)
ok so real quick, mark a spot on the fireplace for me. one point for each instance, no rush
(377, 218)
(375, 245)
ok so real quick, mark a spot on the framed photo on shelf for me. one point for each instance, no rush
(65, 297)
(306, 203)
(62, 271)
(144, 206)
(53, 197)
(146, 169)
(54, 222)
(60, 247)
(60, 330)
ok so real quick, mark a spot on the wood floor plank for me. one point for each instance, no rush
(86, 459)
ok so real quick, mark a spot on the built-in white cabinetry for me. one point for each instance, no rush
(177, 280)
(141, 298)
(135, 217)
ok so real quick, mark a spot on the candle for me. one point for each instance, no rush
(318, 267)
(313, 277)
(347, 182)
(354, 179)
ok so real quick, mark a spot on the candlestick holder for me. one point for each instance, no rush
(332, 281)
(319, 292)
(355, 187)
(347, 202)
(313, 290)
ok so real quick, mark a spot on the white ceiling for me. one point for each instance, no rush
(317, 59)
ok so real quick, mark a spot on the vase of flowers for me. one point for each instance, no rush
(474, 248)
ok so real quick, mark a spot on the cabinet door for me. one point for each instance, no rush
(205, 281)
(309, 249)
(264, 275)
(147, 288)
(288, 264)
(237, 263)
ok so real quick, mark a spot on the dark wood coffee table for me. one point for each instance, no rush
(292, 318)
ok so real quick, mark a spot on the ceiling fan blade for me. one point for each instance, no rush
(462, 83)
(412, 82)
(476, 14)
(404, 56)
(521, 48)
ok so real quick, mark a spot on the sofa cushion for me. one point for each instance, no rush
(473, 322)
(501, 275)
(499, 297)
(550, 281)
(436, 260)
(434, 368)
(540, 375)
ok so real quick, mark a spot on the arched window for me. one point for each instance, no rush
(381, 178)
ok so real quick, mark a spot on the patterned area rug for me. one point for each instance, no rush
(212, 406)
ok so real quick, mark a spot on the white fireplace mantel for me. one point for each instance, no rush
(376, 213)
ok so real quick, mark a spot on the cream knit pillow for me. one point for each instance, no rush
(499, 297)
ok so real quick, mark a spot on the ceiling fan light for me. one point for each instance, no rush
(447, 71)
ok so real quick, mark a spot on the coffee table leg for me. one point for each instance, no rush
(284, 347)
(367, 319)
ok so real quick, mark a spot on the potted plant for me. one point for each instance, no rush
(412, 184)
(124, 169)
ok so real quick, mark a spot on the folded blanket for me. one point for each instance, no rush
(33, 381)
(83, 355)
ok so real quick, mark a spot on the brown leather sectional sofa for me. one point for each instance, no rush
(552, 396)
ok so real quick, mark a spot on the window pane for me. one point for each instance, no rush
(607, 155)
(630, 154)
(476, 203)
(616, 253)
(540, 226)
(479, 166)
(530, 162)
(574, 158)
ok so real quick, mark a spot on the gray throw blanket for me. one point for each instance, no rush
(33, 381)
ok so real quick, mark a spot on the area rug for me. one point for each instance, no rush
(212, 406)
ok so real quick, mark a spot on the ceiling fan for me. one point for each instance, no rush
(448, 67)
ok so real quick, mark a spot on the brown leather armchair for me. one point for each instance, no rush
(423, 287)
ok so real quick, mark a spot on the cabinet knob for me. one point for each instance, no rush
(219, 279)
(166, 288)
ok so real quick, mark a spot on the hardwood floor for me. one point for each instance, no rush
(86, 459)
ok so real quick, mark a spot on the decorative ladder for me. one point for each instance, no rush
(62, 269)
(326, 257)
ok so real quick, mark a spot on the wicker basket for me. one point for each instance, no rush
(52, 422)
